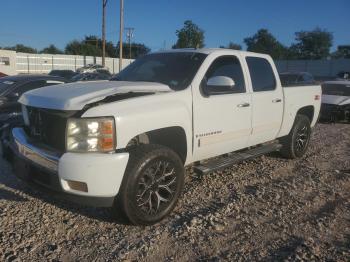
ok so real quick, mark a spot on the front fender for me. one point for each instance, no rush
(143, 114)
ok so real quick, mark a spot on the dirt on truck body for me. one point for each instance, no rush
(266, 209)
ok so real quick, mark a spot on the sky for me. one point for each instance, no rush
(38, 23)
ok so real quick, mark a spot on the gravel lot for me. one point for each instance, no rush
(266, 209)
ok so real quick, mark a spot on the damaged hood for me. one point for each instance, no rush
(335, 100)
(74, 96)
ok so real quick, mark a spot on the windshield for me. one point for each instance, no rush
(175, 70)
(5, 86)
(336, 89)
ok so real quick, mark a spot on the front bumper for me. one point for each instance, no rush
(335, 113)
(39, 165)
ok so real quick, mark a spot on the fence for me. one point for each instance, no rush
(319, 68)
(44, 63)
(24, 63)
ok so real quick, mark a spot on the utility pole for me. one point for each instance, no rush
(121, 27)
(104, 3)
(129, 35)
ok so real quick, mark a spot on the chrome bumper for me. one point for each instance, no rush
(39, 155)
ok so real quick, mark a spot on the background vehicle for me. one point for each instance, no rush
(91, 68)
(11, 88)
(124, 143)
(335, 101)
(67, 74)
(343, 75)
(103, 75)
(296, 78)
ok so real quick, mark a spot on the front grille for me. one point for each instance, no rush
(328, 112)
(48, 127)
(335, 112)
(330, 107)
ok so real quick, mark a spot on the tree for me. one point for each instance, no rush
(233, 46)
(137, 50)
(343, 51)
(90, 46)
(315, 44)
(22, 49)
(51, 49)
(190, 36)
(264, 42)
(73, 48)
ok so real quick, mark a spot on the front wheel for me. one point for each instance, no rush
(151, 186)
(295, 144)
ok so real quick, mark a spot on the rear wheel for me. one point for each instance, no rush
(151, 186)
(295, 144)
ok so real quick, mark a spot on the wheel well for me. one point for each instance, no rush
(307, 111)
(171, 137)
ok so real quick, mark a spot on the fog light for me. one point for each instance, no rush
(76, 185)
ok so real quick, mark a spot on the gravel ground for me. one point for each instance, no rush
(266, 209)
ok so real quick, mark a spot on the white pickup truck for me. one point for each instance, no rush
(124, 143)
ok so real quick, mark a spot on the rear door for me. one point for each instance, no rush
(267, 100)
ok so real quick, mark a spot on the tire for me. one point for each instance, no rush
(152, 184)
(5, 151)
(296, 143)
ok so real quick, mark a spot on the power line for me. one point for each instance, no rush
(129, 35)
(104, 3)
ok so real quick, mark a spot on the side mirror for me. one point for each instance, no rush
(219, 85)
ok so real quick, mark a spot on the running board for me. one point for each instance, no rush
(235, 158)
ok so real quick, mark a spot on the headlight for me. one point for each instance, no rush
(90, 134)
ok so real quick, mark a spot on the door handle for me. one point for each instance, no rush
(277, 100)
(243, 105)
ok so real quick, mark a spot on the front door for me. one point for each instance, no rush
(222, 122)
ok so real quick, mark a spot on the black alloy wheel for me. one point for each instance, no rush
(152, 184)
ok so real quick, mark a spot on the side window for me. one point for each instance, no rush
(228, 66)
(263, 78)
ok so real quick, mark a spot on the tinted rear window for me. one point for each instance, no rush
(287, 79)
(261, 73)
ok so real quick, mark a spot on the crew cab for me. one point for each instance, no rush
(124, 143)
